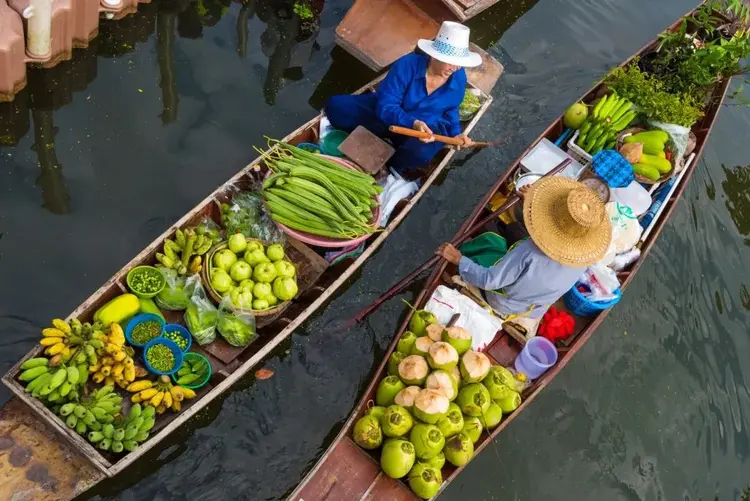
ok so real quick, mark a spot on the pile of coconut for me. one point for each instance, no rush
(432, 407)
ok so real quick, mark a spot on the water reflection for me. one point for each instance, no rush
(737, 190)
(165, 33)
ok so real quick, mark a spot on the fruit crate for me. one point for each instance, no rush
(577, 152)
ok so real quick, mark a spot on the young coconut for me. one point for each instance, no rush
(427, 439)
(376, 411)
(472, 428)
(491, 417)
(474, 399)
(510, 403)
(405, 397)
(406, 343)
(459, 338)
(459, 449)
(434, 332)
(452, 423)
(444, 383)
(442, 356)
(504, 376)
(456, 373)
(367, 433)
(422, 346)
(420, 320)
(396, 358)
(387, 390)
(430, 406)
(474, 367)
(495, 384)
(396, 421)
(425, 481)
(397, 457)
(413, 370)
(436, 462)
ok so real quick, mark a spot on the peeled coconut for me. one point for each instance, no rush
(474, 399)
(425, 481)
(472, 428)
(396, 421)
(405, 397)
(491, 417)
(387, 390)
(436, 462)
(396, 358)
(453, 421)
(427, 439)
(406, 343)
(367, 433)
(509, 403)
(413, 370)
(430, 406)
(456, 373)
(422, 346)
(459, 449)
(397, 457)
(495, 384)
(474, 367)
(434, 332)
(376, 411)
(442, 356)
(575, 116)
(444, 383)
(420, 320)
(459, 338)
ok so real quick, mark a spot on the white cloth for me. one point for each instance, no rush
(394, 189)
(446, 302)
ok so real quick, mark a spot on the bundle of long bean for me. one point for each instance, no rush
(310, 193)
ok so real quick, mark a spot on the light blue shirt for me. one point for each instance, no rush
(527, 276)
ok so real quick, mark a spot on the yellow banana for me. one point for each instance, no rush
(136, 398)
(49, 341)
(52, 332)
(156, 399)
(55, 349)
(161, 409)
(98, 377)
(167, 399)
(187, 392)
(106, 370)
(108, 361)
(122, 383)
(95, 368)
(111, 349)
(129, 374)
(120, 356)
(116, 335)
(117, 370)
(176, 406)
(177, 393)
(143, 384)
(109, 381)
(61, 325)
(148, 394)
(67, 353)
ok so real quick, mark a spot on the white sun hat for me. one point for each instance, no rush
(451, 46)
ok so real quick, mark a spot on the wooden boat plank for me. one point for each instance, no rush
(384, 488)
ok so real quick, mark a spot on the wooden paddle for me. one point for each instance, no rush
(443, 139)
(404, 282)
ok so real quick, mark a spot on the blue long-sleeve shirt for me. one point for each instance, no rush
(402, 97)
(527, 276)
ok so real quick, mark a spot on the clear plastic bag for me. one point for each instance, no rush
(247, 215)
(209, 227)
(679, 136)
(175, 296)
(602, 281)
(236, 326)
(201, 315)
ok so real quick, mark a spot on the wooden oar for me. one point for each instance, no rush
(404, 282)
(443, 139)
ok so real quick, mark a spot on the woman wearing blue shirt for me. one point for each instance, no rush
(420, 92)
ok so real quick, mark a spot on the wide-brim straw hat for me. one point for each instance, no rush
(567, 221)
(451, 46)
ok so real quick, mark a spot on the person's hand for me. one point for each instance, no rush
(422, 127)
(448, 252)
(467, 142)
(523, 191)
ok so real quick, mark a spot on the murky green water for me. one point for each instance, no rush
(164, 106)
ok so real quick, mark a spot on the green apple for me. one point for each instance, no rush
(255, 257)
(242, 299)
(264, 272)
(272, 300)
(220, 280)
(253, 245)
(284, 288)
(275, 252)
(262, 291)
(237, 243)
(284, 269)
(224, 259)
(260, 304)
(247, 285)
(240, 271)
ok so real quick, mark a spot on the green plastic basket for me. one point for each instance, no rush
(329, 145)
(191, 357)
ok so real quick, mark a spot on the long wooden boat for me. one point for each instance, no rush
(68, 462)
(348, 473)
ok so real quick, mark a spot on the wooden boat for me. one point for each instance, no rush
(65, 460)
(347, 473)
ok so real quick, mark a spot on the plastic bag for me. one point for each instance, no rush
(236, 326)
(201, 315)
(175, 296)
(209, 227)
(626, 231)
(679, 135)
(602, 281)
(247, 215)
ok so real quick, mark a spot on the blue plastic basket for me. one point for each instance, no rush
(584, 307)
(176, 351)
(311, 147)
(182, 331)
(143, 317)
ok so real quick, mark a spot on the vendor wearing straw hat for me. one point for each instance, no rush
(422, 92)
(569, 231)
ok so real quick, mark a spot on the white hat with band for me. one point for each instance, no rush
(451, 46)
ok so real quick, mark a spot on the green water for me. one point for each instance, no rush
(106, 151)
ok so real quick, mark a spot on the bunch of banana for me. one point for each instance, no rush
(53, 384)
(184, 253)
(92, 413)
(125, 433)
(611, 115)
(115, 364)
(74, 341)
(160, 394)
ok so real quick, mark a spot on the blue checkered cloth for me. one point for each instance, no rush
(613, 168)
